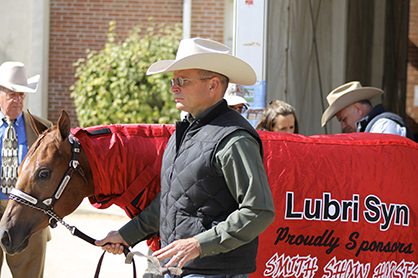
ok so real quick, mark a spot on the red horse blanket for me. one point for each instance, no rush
(125, 161)
(345, 204)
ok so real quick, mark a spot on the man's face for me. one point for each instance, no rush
(11, 103)
(348, 117)
(193, 95)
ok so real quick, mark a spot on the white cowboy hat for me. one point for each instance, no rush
(208, 55)
(234, 95)
(346, 95)
(13, 76)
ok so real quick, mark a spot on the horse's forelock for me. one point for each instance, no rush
(38, 142)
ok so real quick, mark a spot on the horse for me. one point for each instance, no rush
(344, 203)
(115, 164)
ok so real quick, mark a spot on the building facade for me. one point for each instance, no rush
(53, 34)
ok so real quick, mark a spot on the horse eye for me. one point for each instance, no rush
(43, 174)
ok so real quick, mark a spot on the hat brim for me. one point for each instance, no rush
(237, 70)
(235, 100)
(364, 93)
(31, 87)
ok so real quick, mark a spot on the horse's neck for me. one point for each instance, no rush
(84, 163)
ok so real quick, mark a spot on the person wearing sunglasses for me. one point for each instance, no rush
(215, 198)
(234, 96)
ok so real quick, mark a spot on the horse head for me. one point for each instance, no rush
(43, 185)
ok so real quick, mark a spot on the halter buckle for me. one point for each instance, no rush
(47, 202)
(74, 164)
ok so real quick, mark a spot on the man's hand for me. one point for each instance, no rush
(115, 240)
(182, 250)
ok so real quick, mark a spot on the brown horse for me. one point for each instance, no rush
(62, 167)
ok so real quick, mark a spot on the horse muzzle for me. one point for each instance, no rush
(14, 235)
(8, 242)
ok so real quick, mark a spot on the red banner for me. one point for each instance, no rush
(346, 206)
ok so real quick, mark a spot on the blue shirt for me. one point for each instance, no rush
(21, 136)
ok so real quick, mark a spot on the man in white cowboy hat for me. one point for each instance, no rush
(234, 96)
(215, 198)
(14, 85)
(350, 103)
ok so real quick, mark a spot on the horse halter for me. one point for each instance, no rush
(47, 205)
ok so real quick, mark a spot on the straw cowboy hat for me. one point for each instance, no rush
(346, 95)
(208, 55)
(234, 95)
(13, 76)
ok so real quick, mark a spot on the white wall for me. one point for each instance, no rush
(24, 37)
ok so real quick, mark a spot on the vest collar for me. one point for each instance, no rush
(201, 119)
(361, 125)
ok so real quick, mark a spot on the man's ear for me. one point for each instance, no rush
(358, 109)
(215, 85)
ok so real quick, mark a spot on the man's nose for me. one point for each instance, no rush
(175, 88)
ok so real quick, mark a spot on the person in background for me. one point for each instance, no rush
(350, 103)
(234, 96)
(14, 85)
(215, 198)
(279, 117)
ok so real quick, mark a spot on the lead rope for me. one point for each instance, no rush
(76, 232)
(125, 251)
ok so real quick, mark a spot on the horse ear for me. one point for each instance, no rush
(64, 125)
(36, 125)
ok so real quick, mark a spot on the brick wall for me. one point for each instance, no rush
(208, 19)
(77, 25)
(412, 79)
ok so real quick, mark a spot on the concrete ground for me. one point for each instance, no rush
(68, 256)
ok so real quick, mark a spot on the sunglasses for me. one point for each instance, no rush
(180, 81)
(239, 108)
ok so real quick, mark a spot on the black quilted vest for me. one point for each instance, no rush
(379, 112)
(194, 197)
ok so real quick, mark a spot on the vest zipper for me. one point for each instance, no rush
(171, 171)
(177, 152)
